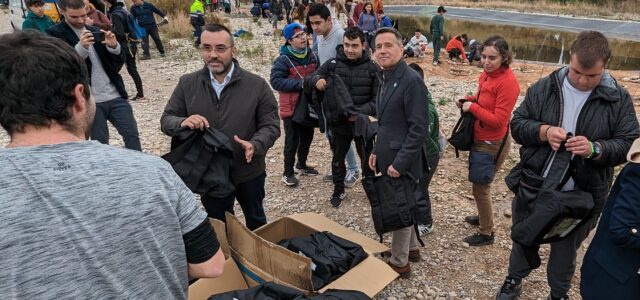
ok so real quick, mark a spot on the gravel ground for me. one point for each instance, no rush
(449, 270)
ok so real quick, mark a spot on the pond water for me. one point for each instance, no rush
(527, 43)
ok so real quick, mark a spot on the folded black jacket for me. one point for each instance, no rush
(273, 291)
(332, 256)
(203, 160)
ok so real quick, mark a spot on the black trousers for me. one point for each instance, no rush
(152, 30)
(132, 69)
(249, 194)
(341, 138)
(455, 53)
(297, 139)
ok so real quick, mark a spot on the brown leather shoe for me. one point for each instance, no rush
(414, 255)
(405, 272)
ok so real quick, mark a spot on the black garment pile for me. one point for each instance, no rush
(331, 256)
(273, 291)
(203, 160)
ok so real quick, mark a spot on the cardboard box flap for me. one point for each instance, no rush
(370, 276)
(230, 280)
(254, 276)
(284, 228)
(248, 247)
(221, 232)
(322, 223)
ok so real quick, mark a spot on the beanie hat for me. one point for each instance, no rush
(291, 29)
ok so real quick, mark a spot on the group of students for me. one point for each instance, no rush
(301, 75)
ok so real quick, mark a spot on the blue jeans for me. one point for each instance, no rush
(249, 194)
(352, 160)
(119, 112)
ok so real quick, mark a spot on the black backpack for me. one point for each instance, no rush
(462, 136)
(337, 104)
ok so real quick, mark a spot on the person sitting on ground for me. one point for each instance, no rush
(455, 48)
(417, 45)
(473, 54)
(384, 20)
(295, 63)
(432, 146)
(81, 219)
(96, 17)
(36, 19)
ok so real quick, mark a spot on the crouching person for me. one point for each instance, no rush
(81, 219)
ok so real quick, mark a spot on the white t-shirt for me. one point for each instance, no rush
(574, 101)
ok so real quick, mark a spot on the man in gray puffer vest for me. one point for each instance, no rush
(355, 67)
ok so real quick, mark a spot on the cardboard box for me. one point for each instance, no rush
(260, 259)
(230, 280)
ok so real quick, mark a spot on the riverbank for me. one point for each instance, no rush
(449, 269)
(611, 9)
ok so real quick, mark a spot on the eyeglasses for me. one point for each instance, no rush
(220, 49)
(301, 36)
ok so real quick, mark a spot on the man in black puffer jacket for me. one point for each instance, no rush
(585, 100)
(355, 67)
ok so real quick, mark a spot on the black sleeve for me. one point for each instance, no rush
(201, 243)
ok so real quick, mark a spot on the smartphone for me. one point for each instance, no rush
(98, 36)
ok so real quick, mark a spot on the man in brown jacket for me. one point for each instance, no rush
(238, 103)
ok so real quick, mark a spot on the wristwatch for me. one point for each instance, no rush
(597, 150)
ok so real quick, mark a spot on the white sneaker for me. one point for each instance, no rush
(351, 179)
(435, 63)
(425, 229)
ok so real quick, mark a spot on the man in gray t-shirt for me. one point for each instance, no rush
(81, 219)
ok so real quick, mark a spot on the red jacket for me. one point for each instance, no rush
(454, 43)
(287, 75)
(494, 102)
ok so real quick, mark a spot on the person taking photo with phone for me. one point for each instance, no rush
(104, 58)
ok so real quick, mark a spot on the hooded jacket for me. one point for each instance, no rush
(607, 117)
(99, 18)
(359, 76)
(32, 21)
(287, 77)
(246, 108)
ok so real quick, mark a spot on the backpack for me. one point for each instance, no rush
(136, 31)
(462, 136)
(132, 28)
(337, 104)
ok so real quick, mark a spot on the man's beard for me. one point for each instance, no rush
(225, 67)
